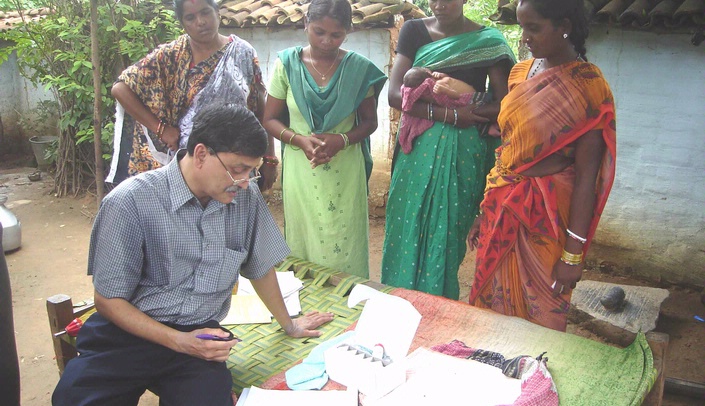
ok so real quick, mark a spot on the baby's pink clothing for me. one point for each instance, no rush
(412, 127)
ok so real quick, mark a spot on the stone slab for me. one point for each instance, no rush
(640, 312)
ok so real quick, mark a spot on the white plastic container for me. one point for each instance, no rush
(387, 320)
(11, 228)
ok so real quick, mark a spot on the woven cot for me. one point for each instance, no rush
(266, 350)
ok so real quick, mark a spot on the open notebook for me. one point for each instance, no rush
(247, 308)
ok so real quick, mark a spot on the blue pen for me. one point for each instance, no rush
(216, 338)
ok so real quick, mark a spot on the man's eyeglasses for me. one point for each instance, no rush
(236, 182)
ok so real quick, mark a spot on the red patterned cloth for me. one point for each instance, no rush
(411, 127)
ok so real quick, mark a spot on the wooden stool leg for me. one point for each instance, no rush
(60, 312)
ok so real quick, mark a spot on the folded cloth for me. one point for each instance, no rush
(311, 372)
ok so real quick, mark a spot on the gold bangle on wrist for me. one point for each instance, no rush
(282, 132)
(291, 141)
(571, 259)
(346, 140)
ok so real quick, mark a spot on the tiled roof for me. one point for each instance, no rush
(274, 13)
(657, 15)
(9, 20)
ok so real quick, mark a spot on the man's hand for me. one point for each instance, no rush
(209, 350)
(305, 326)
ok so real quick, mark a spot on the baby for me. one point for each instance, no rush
(442, 83)
(422, 84)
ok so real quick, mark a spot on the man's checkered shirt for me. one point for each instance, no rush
(154, 245)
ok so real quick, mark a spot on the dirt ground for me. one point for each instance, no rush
(52, 260)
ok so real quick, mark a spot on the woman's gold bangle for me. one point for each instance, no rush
(571, 259)
(283, 131)
(291, 141)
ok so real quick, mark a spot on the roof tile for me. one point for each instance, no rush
(656, 15)
(9, 20)
(287, 13)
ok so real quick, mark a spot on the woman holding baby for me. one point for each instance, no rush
(437, 186)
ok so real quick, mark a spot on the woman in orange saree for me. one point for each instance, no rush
(553, 172)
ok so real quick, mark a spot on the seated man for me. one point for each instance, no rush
(166, 250)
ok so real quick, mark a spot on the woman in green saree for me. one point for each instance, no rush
(330, 95)
(436, 188)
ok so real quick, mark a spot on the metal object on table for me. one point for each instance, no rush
(11, 227)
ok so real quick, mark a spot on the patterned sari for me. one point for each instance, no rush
(436, 188)
(171, 87)
(523, 229)
(325, 209)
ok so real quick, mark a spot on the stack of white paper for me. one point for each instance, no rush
(438, 379)
(247, 308)
(262, 397)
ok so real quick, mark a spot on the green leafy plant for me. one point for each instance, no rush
(11, 5)
(55, 52)
(480, 11)
(40, 120)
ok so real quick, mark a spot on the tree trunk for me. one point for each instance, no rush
(97, 104)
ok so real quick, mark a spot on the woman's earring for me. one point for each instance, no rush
(565, 36)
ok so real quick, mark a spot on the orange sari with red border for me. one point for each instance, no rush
(523, 230)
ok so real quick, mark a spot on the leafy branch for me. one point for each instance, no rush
(55, 52)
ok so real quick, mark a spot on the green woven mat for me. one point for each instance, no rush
(265, 350)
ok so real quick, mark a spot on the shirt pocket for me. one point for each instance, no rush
(230, 271)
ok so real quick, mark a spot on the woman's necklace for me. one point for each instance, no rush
(539, 64)
(324, 75)
(536, 68)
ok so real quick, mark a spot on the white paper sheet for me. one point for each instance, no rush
(438, 379)
(263, 397)
(247, 308)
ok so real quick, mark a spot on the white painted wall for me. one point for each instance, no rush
(373, 43)
(654, 221)
(18, 97)
(9, 79)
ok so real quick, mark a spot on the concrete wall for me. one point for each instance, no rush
(654, 222)
(9, 80)
(18, 98)
(374, 44)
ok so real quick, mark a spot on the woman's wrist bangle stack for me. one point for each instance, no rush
(445, 115)
(346, 140)
(291, 139)
(270, 160)
(160, 129)
(430, 111)
(576, 237)
(571, 259)
(455, 117)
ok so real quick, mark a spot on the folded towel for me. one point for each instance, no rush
(311, 372)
